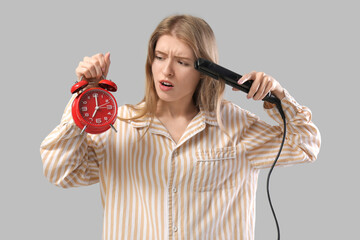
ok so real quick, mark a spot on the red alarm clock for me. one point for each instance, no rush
(95, 109)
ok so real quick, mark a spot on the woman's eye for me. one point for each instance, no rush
(158, 57)
(183, 63)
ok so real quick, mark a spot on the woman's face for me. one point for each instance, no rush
(175, 77)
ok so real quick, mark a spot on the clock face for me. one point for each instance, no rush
(97, 107)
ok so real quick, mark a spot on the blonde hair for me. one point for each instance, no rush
(198, 35)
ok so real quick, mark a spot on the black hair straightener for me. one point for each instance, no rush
(231, 78)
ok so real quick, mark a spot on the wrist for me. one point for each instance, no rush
(279, 93)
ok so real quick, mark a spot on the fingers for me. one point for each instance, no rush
(263, 82)
(107, 64)
(92, 68)
(245, 78)
(255, 85)
(261, 86)
(269, 86)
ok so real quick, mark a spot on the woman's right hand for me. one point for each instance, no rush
(92, 68)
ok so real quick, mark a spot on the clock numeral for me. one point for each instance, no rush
(84, 102)
(95, 94)
(107, 100)
(86, 115)
(105, 118)
(98, 120)
(84, 109)
(109, 107)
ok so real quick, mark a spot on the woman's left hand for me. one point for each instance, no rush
(262, 85)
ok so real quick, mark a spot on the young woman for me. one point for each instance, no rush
(184, 163)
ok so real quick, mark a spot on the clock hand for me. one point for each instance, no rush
(96, 108)
(103, 104)
(94, 113)
(96, 101)
(97, 105)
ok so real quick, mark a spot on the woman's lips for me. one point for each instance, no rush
(165, 85)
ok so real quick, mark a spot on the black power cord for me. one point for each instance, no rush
(281, 111)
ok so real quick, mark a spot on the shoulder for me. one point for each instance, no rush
(130, 111)
(233, 115)
(134, 115)
(229, 108)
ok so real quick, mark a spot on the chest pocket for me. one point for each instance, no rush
(215, 169)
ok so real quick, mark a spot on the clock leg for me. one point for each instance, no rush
(83, 130)
(113, 128)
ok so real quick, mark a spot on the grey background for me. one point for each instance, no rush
(311, 47)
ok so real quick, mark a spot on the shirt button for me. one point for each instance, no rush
(175, 229)
(175, 154)
(174, 190)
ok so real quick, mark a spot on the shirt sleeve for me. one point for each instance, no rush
(262, 141)
(71, 159)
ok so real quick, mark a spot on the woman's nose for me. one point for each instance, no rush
(168, 68)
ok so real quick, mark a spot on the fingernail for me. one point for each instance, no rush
(244, 79)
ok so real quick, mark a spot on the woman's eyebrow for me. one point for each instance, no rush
(177, 56)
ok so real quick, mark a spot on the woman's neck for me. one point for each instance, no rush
(176, 109)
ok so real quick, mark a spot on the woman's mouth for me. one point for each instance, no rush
(166, 85)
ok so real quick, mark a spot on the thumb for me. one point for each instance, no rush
(107, 61)
(107, 57)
